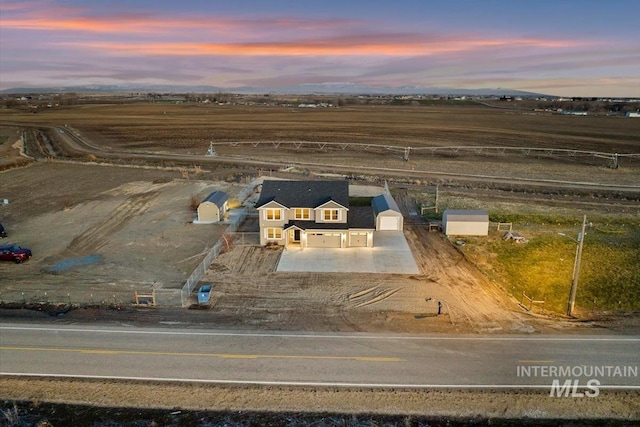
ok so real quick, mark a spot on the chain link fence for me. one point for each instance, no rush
(236, 218)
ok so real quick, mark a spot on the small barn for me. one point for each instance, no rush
(213, 207)
(465, 223)
(387, 213)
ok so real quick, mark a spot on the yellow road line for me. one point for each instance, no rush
(218, 355)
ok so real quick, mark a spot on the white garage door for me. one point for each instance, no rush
(389, 223)
(323, 240)
(358, 239)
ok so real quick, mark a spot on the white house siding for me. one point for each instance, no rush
(465, 223)
(266, 222)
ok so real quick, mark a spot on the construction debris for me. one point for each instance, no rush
(514, 236)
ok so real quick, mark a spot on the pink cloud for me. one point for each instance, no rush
(43, 16)
(369, 45)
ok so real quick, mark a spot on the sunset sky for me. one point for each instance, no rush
(561, 47)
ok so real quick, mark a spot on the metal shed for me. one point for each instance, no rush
(465, 222)
(387, 213)
(213, 207)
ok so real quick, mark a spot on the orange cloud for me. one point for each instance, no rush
(358, 46)
(117, 25)
(38, 17)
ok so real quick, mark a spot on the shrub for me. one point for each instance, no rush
(194, 202)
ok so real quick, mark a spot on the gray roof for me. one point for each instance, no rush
(304, 194)
(384, 202)
(359, 217)
(465, 215)
(217, 197)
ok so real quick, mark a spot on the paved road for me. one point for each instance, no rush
(316, 359)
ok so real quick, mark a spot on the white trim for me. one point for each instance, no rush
(331, 201)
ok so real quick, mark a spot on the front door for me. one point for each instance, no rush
(294, 236)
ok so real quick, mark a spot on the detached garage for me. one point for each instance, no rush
(465, 223)
(387, 213)
(213, 208)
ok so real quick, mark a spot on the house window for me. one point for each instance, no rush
(274, 214)
(302, 213)
(330, 214)
(274, 233)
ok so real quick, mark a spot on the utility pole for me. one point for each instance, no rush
(576, 269)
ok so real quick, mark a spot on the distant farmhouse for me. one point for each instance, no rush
(316, 214)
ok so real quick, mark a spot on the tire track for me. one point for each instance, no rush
(371, 296)
(98, 235)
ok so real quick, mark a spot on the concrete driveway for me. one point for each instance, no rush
(390, 254)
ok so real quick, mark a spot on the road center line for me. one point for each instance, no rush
(215, 355)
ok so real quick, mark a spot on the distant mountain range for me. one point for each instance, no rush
(302, 89)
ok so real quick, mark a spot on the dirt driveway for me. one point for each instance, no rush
(248, 288)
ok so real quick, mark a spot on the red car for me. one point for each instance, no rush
(14, 253)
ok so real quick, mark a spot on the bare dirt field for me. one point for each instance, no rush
(199, 404)
(176, 127)
(101, 232)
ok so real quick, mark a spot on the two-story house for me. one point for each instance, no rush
(312, 214)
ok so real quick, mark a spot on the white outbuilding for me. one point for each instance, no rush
(465, 223)
(387, 213)
(213, 208)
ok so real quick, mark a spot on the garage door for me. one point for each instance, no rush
(358, 239)
(389, 223)
(323, 240)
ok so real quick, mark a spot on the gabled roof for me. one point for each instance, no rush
(304, 194)
(271, 204)
(330, 204)
(360, 217)
(217, 197)
(384, 202)
(312, 225)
